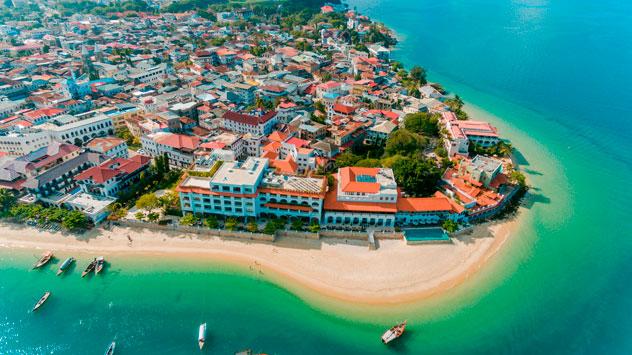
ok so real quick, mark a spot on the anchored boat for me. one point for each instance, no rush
(202, 335)
(89, 268)
(41, 301)
(65, 265)
(43, 260)
(110, 350)
(394, 333)
(99, 266)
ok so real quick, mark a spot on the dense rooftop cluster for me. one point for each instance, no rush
(266, 111)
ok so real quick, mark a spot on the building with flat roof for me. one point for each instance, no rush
(250, 189)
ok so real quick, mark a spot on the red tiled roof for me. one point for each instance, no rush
(248, 119)
(179, 141)
(50, 111)
(277, 136)
(332, 204)
(349, 181)
(344, 109)
(113, 167)
(297, 142)
(423, 204)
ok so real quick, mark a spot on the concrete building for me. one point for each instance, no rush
(112, 176)
(256, 123)
(77, 131)
(110, 146)
(179, 148)
(462, 133)
(249, 189)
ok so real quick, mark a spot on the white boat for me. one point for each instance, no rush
(41, 301)
(202, 335)
(394, 333)
(110, 350)
(43, 260)
(99, 266)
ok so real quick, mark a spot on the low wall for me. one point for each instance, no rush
(433, 241)
(297, 234)
(198, 230)
(463, 231)
(344, 235)
(389, 235)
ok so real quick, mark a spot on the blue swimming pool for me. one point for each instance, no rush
(420, 235)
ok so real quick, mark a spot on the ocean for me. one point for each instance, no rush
(552, 75)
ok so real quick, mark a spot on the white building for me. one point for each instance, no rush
(256, 123)
(73, 130)
(179, 148)
(110, 146)
(24, 141)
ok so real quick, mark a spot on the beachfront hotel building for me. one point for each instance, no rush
(462, 133)
(362, 196)
(358, 197)
(250, 189)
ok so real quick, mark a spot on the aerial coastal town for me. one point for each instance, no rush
(256, 117)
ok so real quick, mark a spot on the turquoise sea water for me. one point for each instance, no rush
(552, 75)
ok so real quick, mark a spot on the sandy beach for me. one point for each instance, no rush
(349, 271)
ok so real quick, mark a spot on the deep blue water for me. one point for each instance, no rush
(568, 60)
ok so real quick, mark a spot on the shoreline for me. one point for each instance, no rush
(347, 272)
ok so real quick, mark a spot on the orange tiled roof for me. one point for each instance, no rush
(332, 204)
(349, 183)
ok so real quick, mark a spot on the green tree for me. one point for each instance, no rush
(148, 202)
(252, 227)
(270, 228)
(416, 176)
(404, 142)
(7, 200)
(139, 215)
(211, 222)
(456, 105)
(169, 200)
(297, 224)
(188, 219)
(347, 159)
(369, 163)
(75, 220)
(117, 211)
(422, 123)
(153, 216)
(314, 227)
(418, 74)
(518, 177)
(450, 226)
(231, 224)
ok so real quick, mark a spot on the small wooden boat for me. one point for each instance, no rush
(202, 335)
(99, 266)
(89, 268)
(110, 350)
(65, 265)
(394, 333)
(41, 301)
(43, 260)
